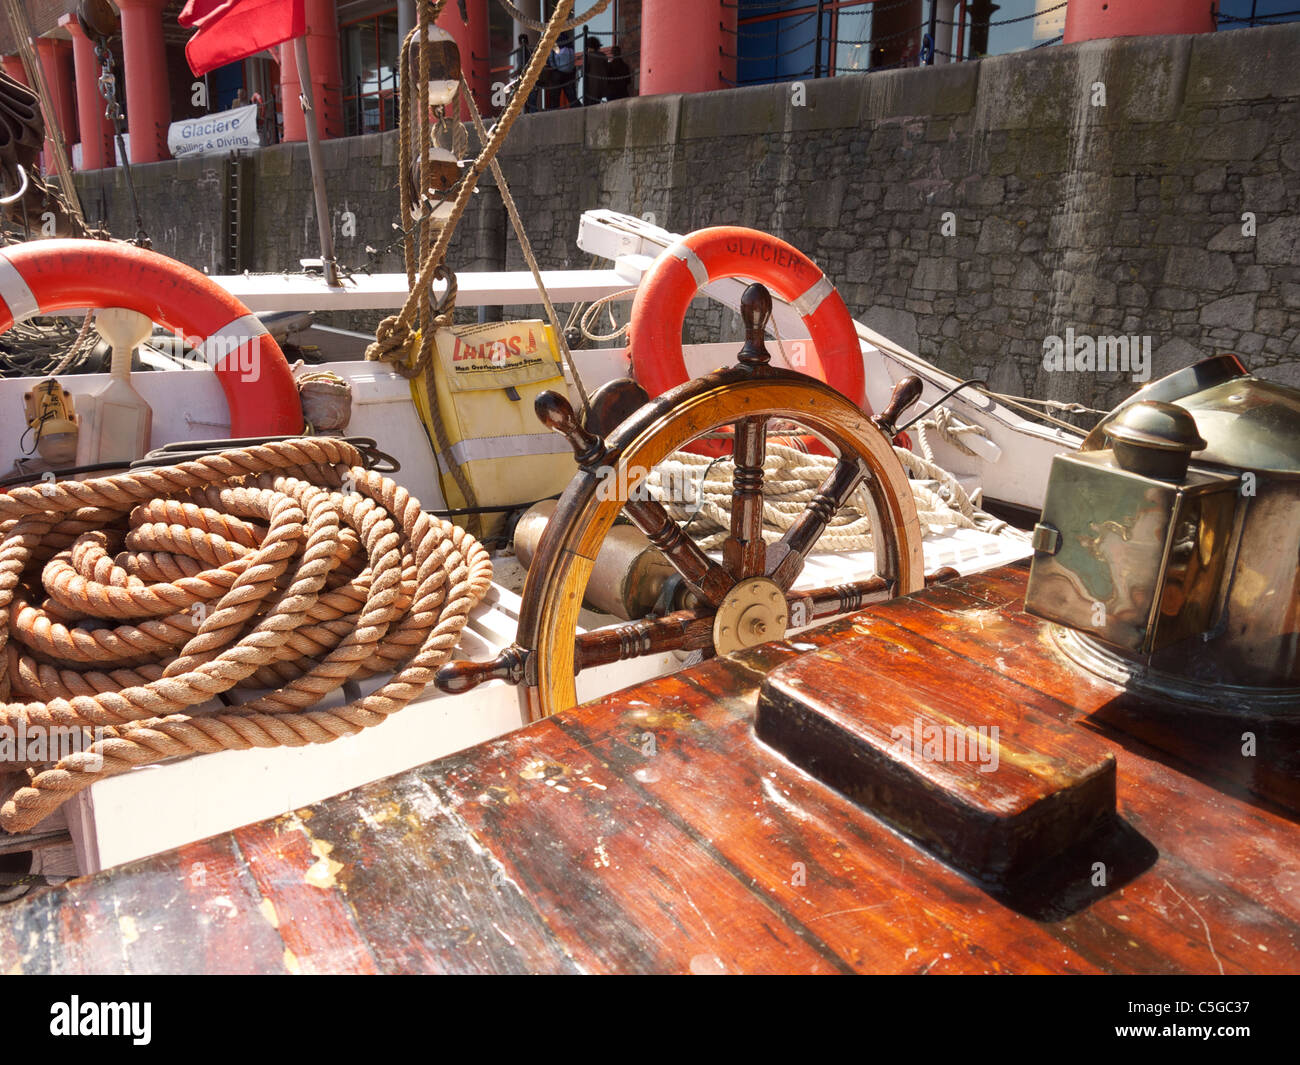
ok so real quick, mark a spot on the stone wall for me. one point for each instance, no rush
(969, 211)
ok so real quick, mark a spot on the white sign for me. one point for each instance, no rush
(223, 132)
(1049, 19)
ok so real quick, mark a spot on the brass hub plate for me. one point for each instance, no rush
(753, 612)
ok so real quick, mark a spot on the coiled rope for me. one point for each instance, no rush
(698, 489)
(285, 567)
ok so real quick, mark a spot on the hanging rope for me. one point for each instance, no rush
(86, 340)
(285, 567)
(526, 246)
(393, 338)
(589, 316)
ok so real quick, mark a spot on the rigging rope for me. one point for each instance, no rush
(286, 567)
(526, 246)
(393, 338)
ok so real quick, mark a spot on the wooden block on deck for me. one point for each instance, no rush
(992, 784)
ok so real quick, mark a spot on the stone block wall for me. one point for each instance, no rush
(1147, 187)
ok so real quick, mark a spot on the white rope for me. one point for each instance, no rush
(588, 322)
(949, 428)
(697, 489)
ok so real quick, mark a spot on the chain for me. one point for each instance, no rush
(113, 112)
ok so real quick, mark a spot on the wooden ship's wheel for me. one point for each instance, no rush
(747, 597)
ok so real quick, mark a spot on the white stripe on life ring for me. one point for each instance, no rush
(813, 297)
(230, 338)
(15, 291)
(683, 251)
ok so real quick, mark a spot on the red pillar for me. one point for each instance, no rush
(56, 64)
(686, 45)
(148, 93)
(1089, 20)
(15, 69)
(473, 38)
(326, 75)
(96, 130)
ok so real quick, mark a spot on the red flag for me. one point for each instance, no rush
(230, 30)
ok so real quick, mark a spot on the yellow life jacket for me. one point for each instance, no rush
(485, 378)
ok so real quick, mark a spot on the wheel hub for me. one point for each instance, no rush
(753, 612)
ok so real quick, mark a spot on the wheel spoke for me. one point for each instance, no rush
(744, 552)
(684, 630)
(817, 604)
(785, 558)
(698, 570)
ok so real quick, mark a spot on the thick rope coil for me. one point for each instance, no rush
(286, 568)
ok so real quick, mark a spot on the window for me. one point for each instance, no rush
(370, 58)
(780, 40)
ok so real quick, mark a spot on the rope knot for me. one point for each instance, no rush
(392, 341)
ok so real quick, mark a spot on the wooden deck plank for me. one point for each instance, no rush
(195, 909)
(881, 903)
(88, 932)
(427, 896)
(314, 920)
(995, 639)
(568, 847)
(624, 888)
(27, 931)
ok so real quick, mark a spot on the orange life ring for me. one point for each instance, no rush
(46, 276)
(666, 291)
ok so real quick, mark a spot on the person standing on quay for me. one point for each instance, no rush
(618, 75)
(522, 55)
(563, 61)
(594, 68)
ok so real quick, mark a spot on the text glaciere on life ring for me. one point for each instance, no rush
(223, 132)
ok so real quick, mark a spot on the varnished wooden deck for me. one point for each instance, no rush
(651, 832)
